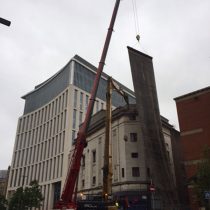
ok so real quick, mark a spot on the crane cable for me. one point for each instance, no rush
(136, 20)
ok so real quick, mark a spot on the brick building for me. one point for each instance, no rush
(194, 120)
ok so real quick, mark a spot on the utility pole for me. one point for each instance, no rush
(5, 22)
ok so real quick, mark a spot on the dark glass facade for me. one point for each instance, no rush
(84, 78)
(48, 90)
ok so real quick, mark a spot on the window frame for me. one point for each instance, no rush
(133, 137)
(135, 172)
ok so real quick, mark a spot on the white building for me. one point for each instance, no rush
(48, 127)
(130, 179)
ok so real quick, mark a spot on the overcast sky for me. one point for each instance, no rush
(46, 34)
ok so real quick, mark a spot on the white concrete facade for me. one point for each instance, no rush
(123, 147)
(128, 161)
(45, 158)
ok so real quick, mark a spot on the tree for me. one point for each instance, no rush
(201, 182)
(17, 200)
(27, 198)
(3, 203)
(34, 195)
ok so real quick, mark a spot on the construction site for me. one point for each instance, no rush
(92, 143)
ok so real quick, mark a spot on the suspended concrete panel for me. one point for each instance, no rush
(156, 161)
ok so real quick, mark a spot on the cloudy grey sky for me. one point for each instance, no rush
(46, 34)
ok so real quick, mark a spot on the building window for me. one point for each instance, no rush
(167, 146)
(15, 179)
(123, 172)
(86, 102)
(168, 155)
(73, 136)
(31, 118)
(94, 156)
(57, 192)
(94, 180)
(19, 126)
(35, 119)
(135, 172)
(133, 137)
(81, 101)
(58, 124)
(83, 183)
(61, 168)
(80, 118)
(75, 98)
(74, 118)
(52, 110)
(134, 155)
(114, 132)
(148, 172)
(102, 105)
(49, 111)
(59, 104)
(97, 106)
(132, 117)
(83, 161)
(45, 114)
(66, 98)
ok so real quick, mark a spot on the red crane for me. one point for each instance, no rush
(66, 201)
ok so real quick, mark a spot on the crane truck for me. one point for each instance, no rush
(67, 200)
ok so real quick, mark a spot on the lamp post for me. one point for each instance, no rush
(5, 22)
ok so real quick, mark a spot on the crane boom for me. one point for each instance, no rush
(66, 200)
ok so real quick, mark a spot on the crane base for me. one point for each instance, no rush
(60, 205)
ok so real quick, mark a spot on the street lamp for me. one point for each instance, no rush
(5, 22)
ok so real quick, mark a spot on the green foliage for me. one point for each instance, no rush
(17, 200)
(202, 181)
(34, 195)
(27, 198)
(3, 203)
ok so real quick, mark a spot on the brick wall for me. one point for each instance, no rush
(194, 120)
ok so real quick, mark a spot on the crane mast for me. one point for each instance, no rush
(66, 201)
(107, 169)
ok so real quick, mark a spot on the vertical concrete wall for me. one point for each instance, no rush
(150, 128)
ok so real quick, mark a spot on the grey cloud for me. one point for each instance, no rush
(45, 34)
